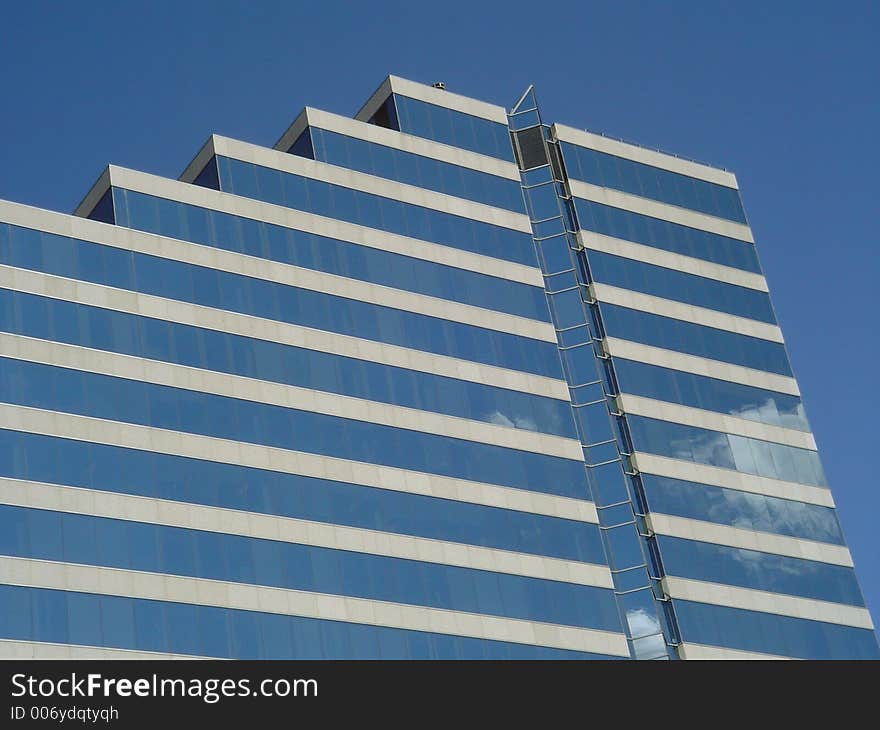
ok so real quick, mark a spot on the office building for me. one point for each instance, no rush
(441, 380)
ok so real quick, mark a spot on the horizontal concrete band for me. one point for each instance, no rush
(430, 95)
(12, 649)
(203, 592)
(318, 281)
(646, 156)
(650, 408)
(674, 261)
(163, 373)
(375, 134)
(688, 650)
(608, 294)
(117, 506)
(267, 213)
(737, 537)
(730, 479)
(701, 366)
(223, 451)
(663, 211)
(221, 320)
(363, 182)
(765, 602)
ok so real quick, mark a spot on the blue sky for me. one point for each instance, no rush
(785, 94)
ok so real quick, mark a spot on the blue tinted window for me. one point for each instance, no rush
(386, 115)
(373, 211)
(208, 177)
(291, 246)
(679, 286)
(77, 324)
(619, 223)
(423, 172)
(752, 456)
(258, 297)
(47, 459)
(636, 178)
(695, 339)
(741, 509)
(235, 634)
(760, 571)
(711, 394)
(100, 396)
(302, 146)
(103, 210)
(454, 128)
(217, 556)
(702, 623)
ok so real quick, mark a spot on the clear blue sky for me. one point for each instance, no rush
(784, 93)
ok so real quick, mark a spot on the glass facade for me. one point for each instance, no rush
(319, 253)
(452, 127)
(681, 287)
(247, 295)
(374, 211)
(138, 472)
(167, 341)
(371, 443)
(424, 172)
(673, 237)
(695, 339)
(711, 394)
(726, 450)
(67, 617)
(646, 181)
(736, 508)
